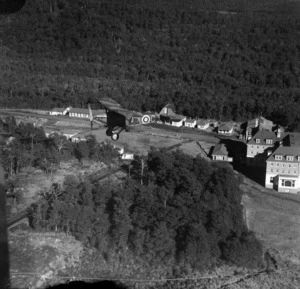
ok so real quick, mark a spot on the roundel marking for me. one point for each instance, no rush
(146, 119)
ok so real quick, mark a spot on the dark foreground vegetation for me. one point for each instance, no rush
(209, 63)
(174, 210)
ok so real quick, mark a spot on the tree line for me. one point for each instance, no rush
(173, 210)
(229, 66)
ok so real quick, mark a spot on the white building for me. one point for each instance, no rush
(283, 170)
(190, 123)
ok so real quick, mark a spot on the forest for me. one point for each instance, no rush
(173, 210)
(229, 60)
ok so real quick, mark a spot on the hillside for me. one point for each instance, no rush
(208, 62)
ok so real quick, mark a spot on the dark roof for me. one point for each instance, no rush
(58, 109)
(263, 135)
(225, 126)
(284, 152)
(202, 122)
(190, 120)
(220, 150)
(177, 117)
(294, 139)
(79, 110)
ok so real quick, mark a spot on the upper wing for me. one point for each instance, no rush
(112, 105)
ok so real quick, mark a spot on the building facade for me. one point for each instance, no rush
(190, 123)
(226, 129)
(220, 153)
(261, 145)
(283, 170)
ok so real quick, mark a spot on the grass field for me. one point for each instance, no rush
(275, 218)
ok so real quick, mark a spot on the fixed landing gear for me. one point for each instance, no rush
(109, 132)
(114, 136)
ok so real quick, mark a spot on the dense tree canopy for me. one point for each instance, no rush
(188, 214)
(208, 62)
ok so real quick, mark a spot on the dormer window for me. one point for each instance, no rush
(278, 157)
(269, 141)
(289, 158)
(257, 140)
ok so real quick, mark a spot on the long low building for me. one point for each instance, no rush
(84, 113)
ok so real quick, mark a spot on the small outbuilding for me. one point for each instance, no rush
(58, 111)
(225, 128)
(190, 123)
(220, 153)
(202, 124)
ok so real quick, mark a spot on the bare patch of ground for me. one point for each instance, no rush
(36, 258)
(32, 182)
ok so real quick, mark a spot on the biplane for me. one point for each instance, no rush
(118, 118)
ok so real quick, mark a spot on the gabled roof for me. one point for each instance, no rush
(284, 152)
(220, 150)
(265, 123)
(202, 122)
(190, 121)
(225, 126)
(177, 118)
(263, 135)
(170, 110)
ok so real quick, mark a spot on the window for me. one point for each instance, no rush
(295, 172)
(290, 165)
(278, 157)
(282, 171)
(272, 164)
(287, 183)
(277, 171)
(257, 140)
(269, 141)
(277, 164)
(257, 147)
(289, 158)
(252, 147)
(298, 159)
(271, 179)
(289, 171)
(271, 170)
(251, 152)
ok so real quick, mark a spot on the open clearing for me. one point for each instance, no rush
(275, 219)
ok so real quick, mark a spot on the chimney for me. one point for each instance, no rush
(278, 133)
